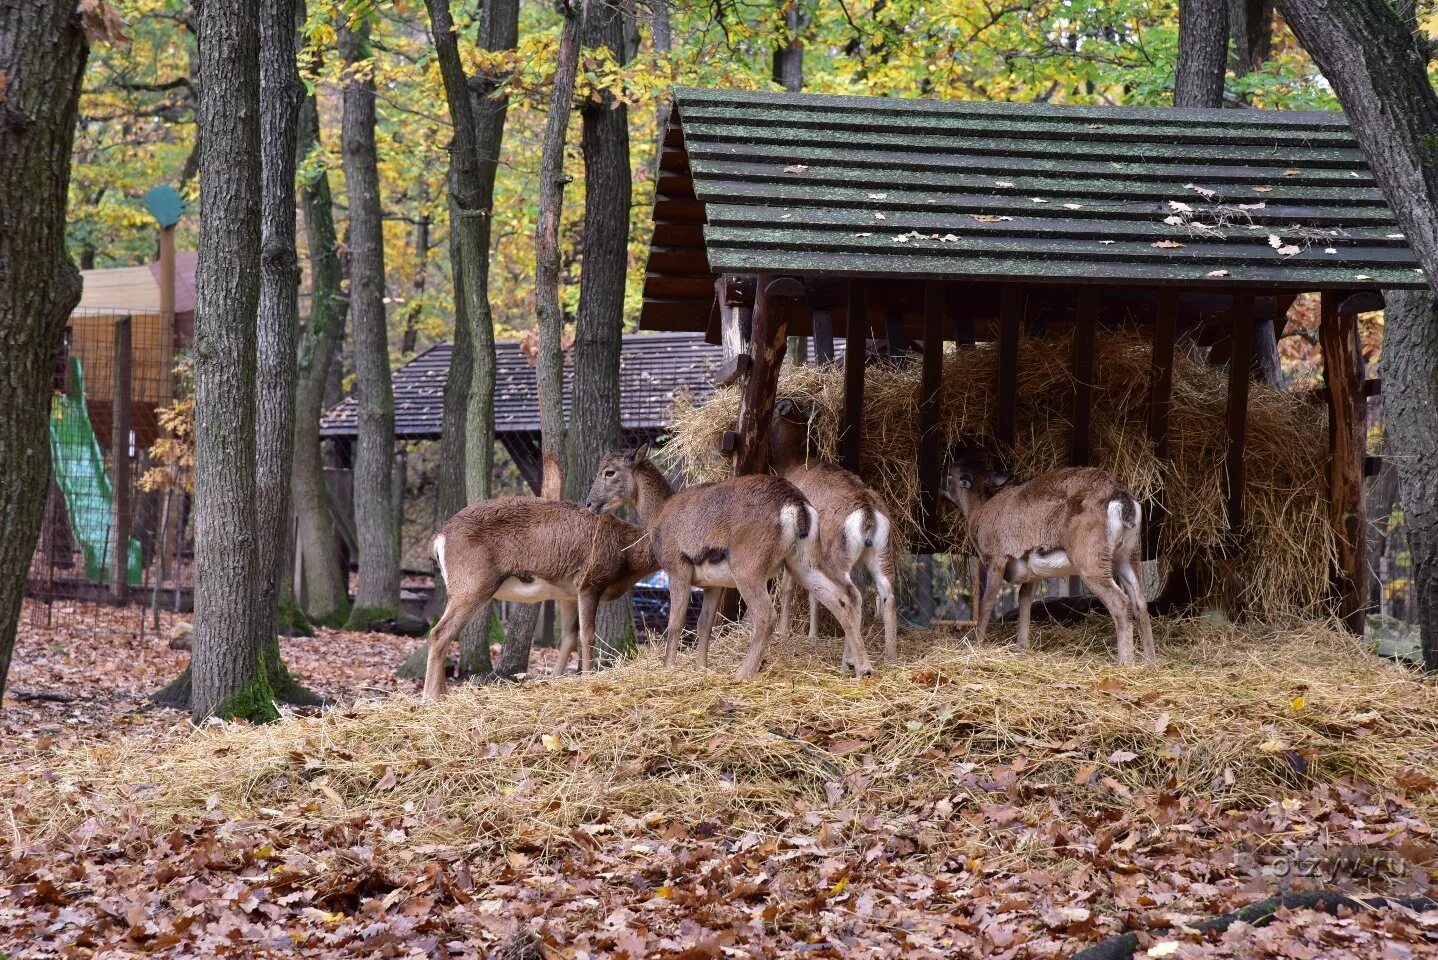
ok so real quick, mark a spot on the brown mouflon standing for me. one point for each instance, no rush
(529, 550)
(854, 525)
(737, 533)
(1075, 520)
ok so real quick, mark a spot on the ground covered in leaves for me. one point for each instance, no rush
(968, 802)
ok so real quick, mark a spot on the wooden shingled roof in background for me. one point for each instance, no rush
(869, 186)
(653, 368)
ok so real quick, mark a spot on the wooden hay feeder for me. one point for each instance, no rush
(783, 215)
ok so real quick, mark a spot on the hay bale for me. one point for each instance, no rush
(1283, 569)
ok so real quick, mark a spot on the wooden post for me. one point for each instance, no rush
(823, 335)
(1160, 399)
(1085, 327)
(851, 441)
(930, 456)
(736, 297)
(120, 466)
(1344, 376)
(1011, 314)
(776, 297)
(1238, 380)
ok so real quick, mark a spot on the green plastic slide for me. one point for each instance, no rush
(79, 466)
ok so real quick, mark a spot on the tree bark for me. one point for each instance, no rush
(326, 587)
(549, 375)
(595, 419)
(377, 595)
(1202, 52)
(1250, 22)
(1410, 404)
(226, 676)
(280, 96)
(788, 63)
(42, 57)
(1378, 70)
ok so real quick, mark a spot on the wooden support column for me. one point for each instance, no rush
(735, 297)
(851, 441)
(774, 300)
(1238, 381)
(1160, 400)
(930, 455)
(120, 465)
(1011, 315)
(1085, 329)
(1344, 377)
(823, 335)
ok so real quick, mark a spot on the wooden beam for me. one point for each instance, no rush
(1343, 376)
(1237, 416)
(823, 335)
(1085, 328)
(735, 316)
(851, 441)
(1011, 315)
(776, 299)
(733, 370)
(931, 386)
(895, 336)
(119, 545)
(1160, 399)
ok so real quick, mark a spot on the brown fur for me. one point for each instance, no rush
(1015, 528)
(512, 543)
(838, 495)
(740, 532)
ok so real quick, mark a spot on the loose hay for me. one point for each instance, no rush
(1239, 716)
(1283, 566)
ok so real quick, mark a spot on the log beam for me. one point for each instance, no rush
(1085, 329)
(775, 300)
(1160, 401)
(851, 441)
(1011, 315)
(1237, 415)
(930, 455)
(1343, 376)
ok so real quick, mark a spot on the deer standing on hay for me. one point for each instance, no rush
(738, 533)
(854, 525)
(1074, 520)
(528, 550)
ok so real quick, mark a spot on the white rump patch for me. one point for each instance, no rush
(1115, 521)
(854, 533)
(439, 555)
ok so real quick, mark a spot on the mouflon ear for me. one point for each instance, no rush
(785, 407)
(1000, 479)
(640, 455)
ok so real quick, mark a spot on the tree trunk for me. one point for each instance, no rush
(549, 375)
(1250, 22)
(1202, 52)
(226, 676)
(788, 64)
(595, 419)
(1379, 73)
(518, 641)
(420, 243)
(326, 587)
(377, 596)
(663, 35)
(280, 97)
(1410, 404)
(42, 57)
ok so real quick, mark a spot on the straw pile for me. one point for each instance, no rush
(1241, 717)
(1283, 566)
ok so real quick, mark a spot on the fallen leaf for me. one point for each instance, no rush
(1362, 276)
(1253, 206)
(877, 196)
(879, 216)
(1330, 249)
(988, 217)
(1288, 250)
(1161, 725)
(550, 741)
(1216, 273)
(1275, 241)
(1166, 244)
(846, 747)
(1180, 206)
(1204, 192)
(1166, 948)
(1174, 221)
(1108, 241)
(1073, 206)
(1038, 199)
(1121, 757)
(1003, 183)
(1291, 172)
(1297, 704)
(796, 168)
(1262, 189)
(1393, 236)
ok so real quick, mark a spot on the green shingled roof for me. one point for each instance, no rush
(870, 186)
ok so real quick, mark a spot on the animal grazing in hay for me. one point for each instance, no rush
(854, 525)
(529, 550)
(738, 533)
(1075, 520)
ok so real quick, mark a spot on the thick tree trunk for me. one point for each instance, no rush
(1379, 73)
(326, 587)
(1202, 53)
(280, 97)
(595, 420)
(1410, 403)
(1250, 23)
(377, 595)
(226, 676)
(549, 375)
(42, 57)
(788, 64)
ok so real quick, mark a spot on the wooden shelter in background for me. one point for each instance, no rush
(653, 369)
(916, 222)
